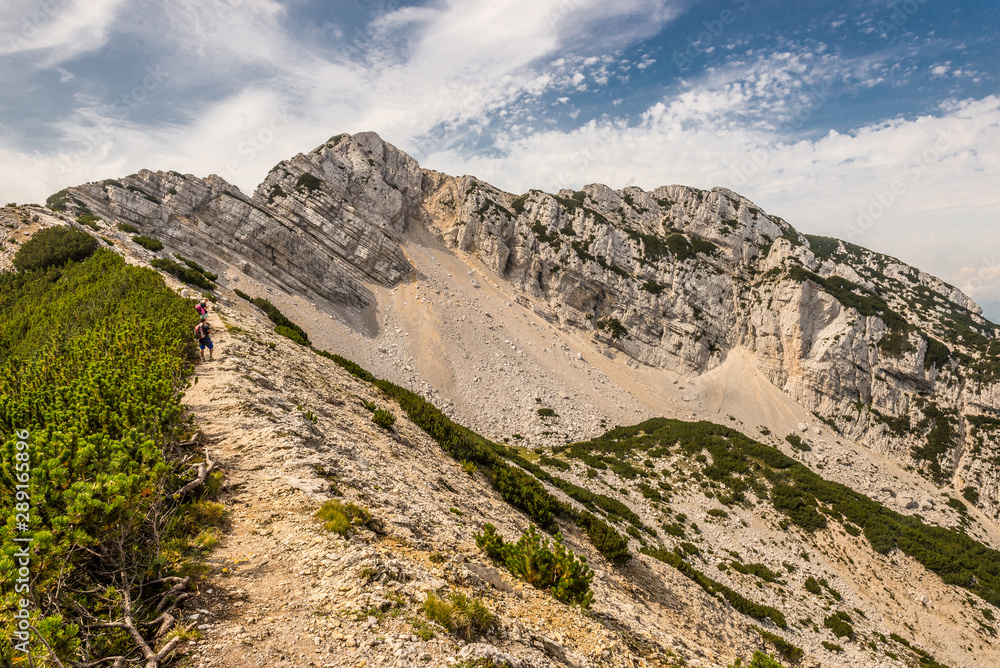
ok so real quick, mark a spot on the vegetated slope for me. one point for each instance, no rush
(735, 533)
(95, 464)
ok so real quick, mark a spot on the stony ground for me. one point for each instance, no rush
(283, 591)
(290, 430)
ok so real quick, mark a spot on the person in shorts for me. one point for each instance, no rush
(203, 332)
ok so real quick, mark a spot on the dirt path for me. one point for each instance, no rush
(281, 590)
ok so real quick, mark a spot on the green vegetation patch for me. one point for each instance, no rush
(58, 201)
(383, 418)
(787, 650)
(308, 183)
(284, 326)
(655, 247)
(759, 660)
(185, 274)
(92, 364)
(149, 243)
(54, 247)
(466, 617)
(613, 326)
(942, 436)
(543, 565)
(340, 518)
(757, 570)
(852, 295)
(739, 602)
(841, 624)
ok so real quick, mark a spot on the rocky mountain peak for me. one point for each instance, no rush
(839, 410)
(675, 278)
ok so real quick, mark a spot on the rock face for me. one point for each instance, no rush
(676, 278)
(321, 224)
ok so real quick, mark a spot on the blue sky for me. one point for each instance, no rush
(874, 121)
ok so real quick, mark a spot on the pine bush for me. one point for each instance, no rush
(54, 247)
(92, 366)
(543, 565)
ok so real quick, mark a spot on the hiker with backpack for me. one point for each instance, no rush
(202, 332)
(202, 307)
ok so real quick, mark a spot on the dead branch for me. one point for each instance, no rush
(203, 470)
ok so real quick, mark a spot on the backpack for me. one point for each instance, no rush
(200, 309)
(201, 330)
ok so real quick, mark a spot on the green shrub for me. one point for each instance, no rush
(757, 570)
(278, 318)
(759, 660)
(340, 517)
(840, 624)
(308, 182)
(54, 247)
(466, 617)
(812, 586)
(184, 274)
(971, 495)
(613, 326)
(126, 227)
(90, 220)
(383, 418)
(611, 544)
(798, 443)
(194, 266)
(786, 649)
(57, 201)
(546, 412)
(149, 243)
(552, 462)
(543, 565)
(294, 335)
(739, 602)
(832, 647)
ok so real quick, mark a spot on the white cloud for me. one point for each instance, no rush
(427, 78)
(921, 189)
(56, 30)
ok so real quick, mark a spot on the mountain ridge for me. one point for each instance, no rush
(673, 278)
(701, 307)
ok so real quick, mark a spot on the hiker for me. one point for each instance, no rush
(202, 332)
(202, 307)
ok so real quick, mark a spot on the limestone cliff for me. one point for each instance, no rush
(679, 277)
(676, 278)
